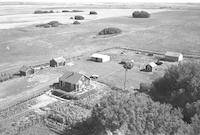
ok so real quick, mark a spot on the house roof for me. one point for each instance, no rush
(24, 68)
(59, 59)
(71, 77)
(97, 55)
(152, 64)
(173, 54)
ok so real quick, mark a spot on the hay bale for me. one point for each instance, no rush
(109, 31)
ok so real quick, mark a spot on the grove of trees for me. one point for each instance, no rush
(140, 14)
(139, 115)
(78, 17)
(180, 87)
(109, 31)
(93, 13)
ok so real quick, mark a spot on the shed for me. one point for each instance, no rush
(72, 81)
(173, 56)
(100, 57)
(26, 70)
(150, 66)
(59, 61)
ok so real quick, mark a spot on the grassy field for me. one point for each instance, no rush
(170, 30)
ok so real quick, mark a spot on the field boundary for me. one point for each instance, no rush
(24, 99)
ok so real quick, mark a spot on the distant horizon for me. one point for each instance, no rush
(102, 1)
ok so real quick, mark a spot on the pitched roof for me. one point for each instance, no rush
(24, 68)
(173, 54)
(152, 64)
(71, 77)
(59, 59)
(97, 55)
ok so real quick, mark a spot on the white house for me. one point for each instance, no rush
(100, 57)
(173, 56)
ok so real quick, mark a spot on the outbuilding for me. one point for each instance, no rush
(55, 62)
(173, 56)
(26, 70)
(150, 67)
(100, 57)
(72, 81)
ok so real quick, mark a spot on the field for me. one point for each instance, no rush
(173, 29)
(168, 30)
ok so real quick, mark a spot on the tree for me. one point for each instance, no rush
(93, 13)
(138, 115)
(109, 31)
(179, 86)
(78, 17)
(140, 14)
(76, 22)
(127, 66)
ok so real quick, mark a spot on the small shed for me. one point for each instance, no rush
(72, 81)
(100, 57)
(26, 70)
(150, 66)
(173, 56)
(56, 62)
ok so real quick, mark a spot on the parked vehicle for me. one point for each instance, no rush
(94, 76)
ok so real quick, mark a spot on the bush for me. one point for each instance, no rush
(93, 13)
(138, 115)
(76, 22)
(43, 12)
(140, 14)
(50, 24)
(76, 10)
(78, 17)
(109, 31)
(5, 76)
(54, 23)
(65, 11)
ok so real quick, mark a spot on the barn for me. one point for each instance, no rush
(56, 62)
(150, 66)
(26, 70)
(72, 81)
(173, 56)
(100, 57)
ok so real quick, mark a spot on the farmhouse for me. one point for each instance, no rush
(72, 81)
(55, 62)
(26, 70)
(150, 67)
(100, 57)
(173, 56)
